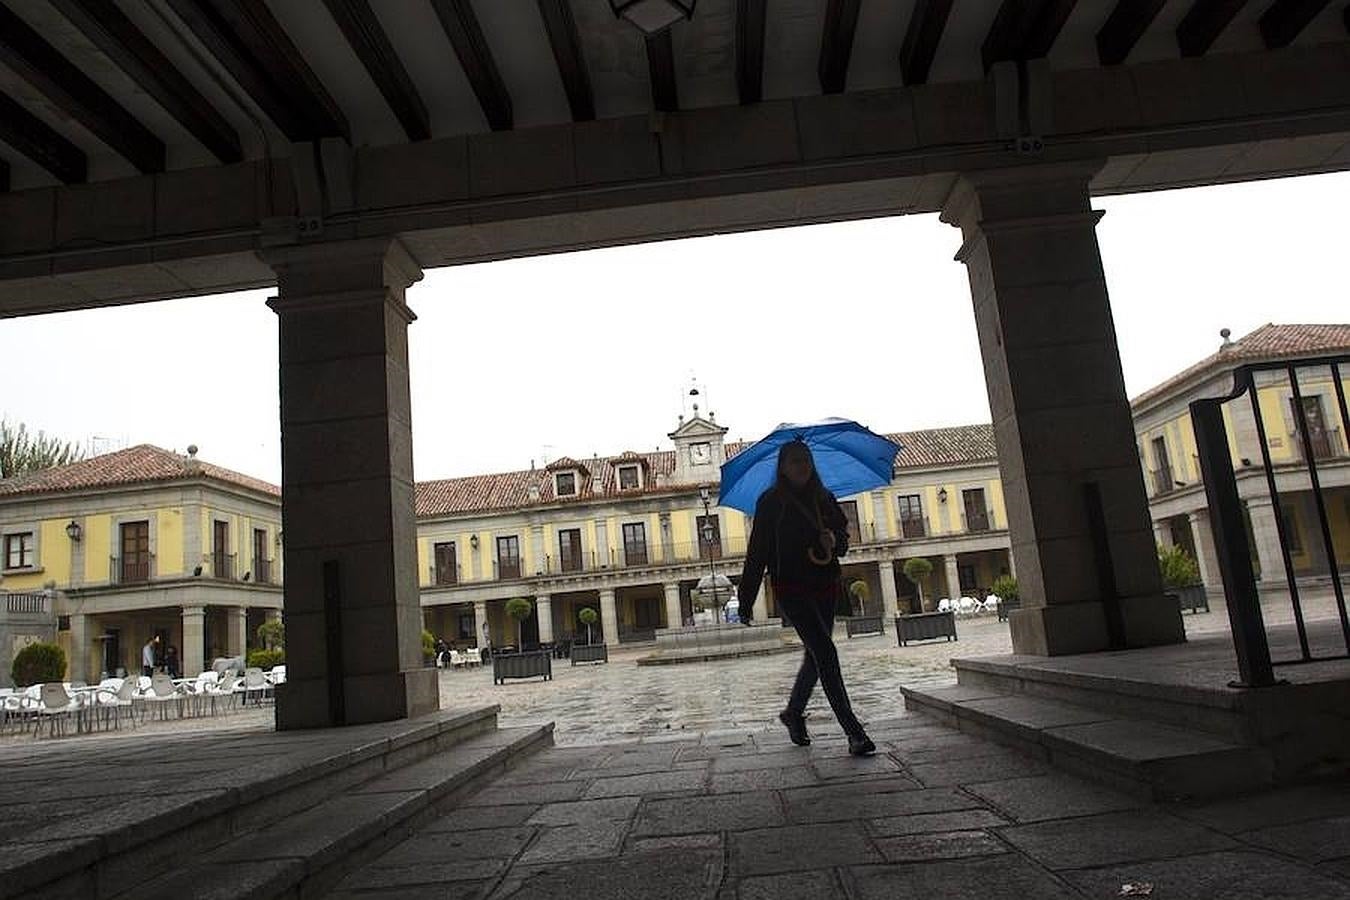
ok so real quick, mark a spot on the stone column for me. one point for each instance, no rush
(1266, 538)
(609, 617)
(674, 616)
(79, 648)
(353, 619)
(890, 599)
(881, 514)
(1162, 534)
(543, 607)
(480, 619)
(1077, 510)
(953, 576)
(236, 631)
(193, 651)
(1206, 557)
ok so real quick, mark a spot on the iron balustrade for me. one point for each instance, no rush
(222, 565)
(911, 527)
(131, 571)
(443, 575)
(1228, 519)
(1164, 482)
(262, 571)
(977, 524)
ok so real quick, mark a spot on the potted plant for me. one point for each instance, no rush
(428, 648)
(1181, 578)
(519, 609)
(917, 571)
(589, 652)
(1005, 589)
(37, 664)
(537, 663)
(861, 622)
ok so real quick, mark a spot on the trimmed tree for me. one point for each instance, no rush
(1179, 570)
(38, 663)
(917, 570)
(519, 609)
(588, 617)
(428, 645)
(1005, 588)
(861, 593)
(272, 635)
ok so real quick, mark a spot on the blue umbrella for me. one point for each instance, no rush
(849, 458)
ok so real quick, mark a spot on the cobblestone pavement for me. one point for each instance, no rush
(936, 814)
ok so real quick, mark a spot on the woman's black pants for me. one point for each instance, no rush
(812, 615)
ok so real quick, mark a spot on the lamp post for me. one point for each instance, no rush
(708, 532)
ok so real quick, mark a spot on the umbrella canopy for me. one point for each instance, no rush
(849, 458)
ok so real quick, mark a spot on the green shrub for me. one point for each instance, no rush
(519, 609)
(428, 644)
(1005, 588)
(861, 593)
(265, 659)
(272, 635)
(588, 617)
(917, 570)
(38, 663)
(1179, 570)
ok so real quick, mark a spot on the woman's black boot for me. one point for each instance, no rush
(861, 745)
(796, 726)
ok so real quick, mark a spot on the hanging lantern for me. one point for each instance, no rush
(653, 16)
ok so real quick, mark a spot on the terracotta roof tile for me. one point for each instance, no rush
(1270, 341)
(142, 464)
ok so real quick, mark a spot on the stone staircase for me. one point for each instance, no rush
(291, 827)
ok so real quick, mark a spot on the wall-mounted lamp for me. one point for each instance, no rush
(74, 531)
(473, 541)
(278, 537)
(942, 495)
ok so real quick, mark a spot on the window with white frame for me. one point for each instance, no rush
(565, 484)
(20, 551)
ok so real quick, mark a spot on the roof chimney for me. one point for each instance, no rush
(192, 464)
(1227, 339)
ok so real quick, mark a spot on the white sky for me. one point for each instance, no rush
(593, 352)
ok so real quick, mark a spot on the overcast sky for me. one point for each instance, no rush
(594, 352)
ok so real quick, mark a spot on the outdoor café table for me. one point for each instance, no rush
(86, 708)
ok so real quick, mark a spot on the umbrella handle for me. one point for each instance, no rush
(811, 554)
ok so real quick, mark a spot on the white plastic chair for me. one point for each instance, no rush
(966, 606)
(163, 692)
(253, 684)
(473, 657)
(457, 659)
(944, 605)
(57, 706)
(115, 697)
(223, 689)
(278, 674)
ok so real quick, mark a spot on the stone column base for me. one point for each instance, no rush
(303, 703)
(1068, 628)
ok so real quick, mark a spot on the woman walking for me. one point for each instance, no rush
(799, 533)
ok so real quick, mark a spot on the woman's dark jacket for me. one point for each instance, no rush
(781, 537)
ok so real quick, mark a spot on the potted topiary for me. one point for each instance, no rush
(428, 648)
(589, 652)
(861, 622)
(917, 571)
(37, 664)
(1005, 589)
(1181, 578)
(536, 663)
(923, 625)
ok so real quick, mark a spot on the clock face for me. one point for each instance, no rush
(700, 453)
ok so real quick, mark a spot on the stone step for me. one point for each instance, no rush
(1140, 756)
(131, 841)
(1217, 711)
(307, 853)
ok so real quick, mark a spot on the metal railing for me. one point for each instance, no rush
(222, 565)
(262, 571)
(1228, 520)
(1164, 482)
(442, 576)
(913, 528)
(131, 571)
(31, 602)
(1325, 443)
(977, 523)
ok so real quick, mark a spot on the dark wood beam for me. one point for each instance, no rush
(921, 39)
(245, 38)
(1286, 18)
(661, 68)
(1124, 27)
(108, 29)
(750, 16)
(466, 36)
(76, 95)
(371, 45)
(4, 176)
(1203, 24)
(836, 44)
(566, 43)
(41, 143)
(1025, 29)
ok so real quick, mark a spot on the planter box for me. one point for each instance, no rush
(1192, 598)
(534, 664)
(1006, 607)
(856, 625)
(925, 626)
(590, 653)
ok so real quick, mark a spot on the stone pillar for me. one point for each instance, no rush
(674, 616)
(353, 620)
(881, 515)
(78, 669)
(193, 651)
(890, 599)
(1206, 557)
(953, 576)
(1162, 534)
(1266, 538)
(1077, 510)
(236, 631)
(480, 621)
(543, 608)
(609, 617)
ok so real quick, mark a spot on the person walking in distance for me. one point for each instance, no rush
(799, 533)
(148, 656)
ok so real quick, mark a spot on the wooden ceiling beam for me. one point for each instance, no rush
(1025, 29)
(371, 45)
(565, 40)
(836, 44)
(75, 94)
(1285, 19)
(661, 68)
(1124, 27)
(922, 37)
(1203, 23)
(460, 24)
(750, 18)
(41, 143)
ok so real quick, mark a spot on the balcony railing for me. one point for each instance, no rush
(26, 603)
(135, 570)
(507, 570)
(262, 571)
(1326, 444)
(222, 566)
(913, 528)
(979, 522)
(443, 575)
(1163, 481)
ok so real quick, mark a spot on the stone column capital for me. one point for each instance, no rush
(984, 195)
(335, 274)
(194, 612)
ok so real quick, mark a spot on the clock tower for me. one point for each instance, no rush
(699, 449)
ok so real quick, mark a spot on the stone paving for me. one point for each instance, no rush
(936, 814)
